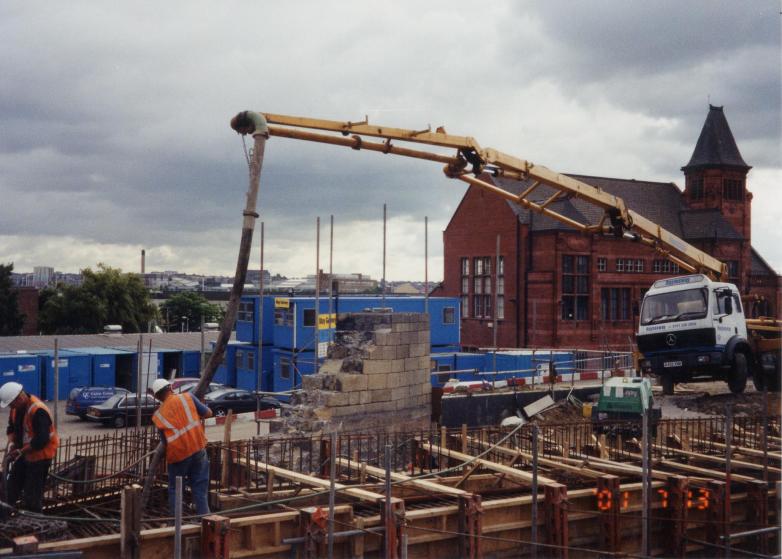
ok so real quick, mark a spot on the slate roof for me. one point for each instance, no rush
(716, 145)
(759, 267)
(189, 341)
(707, 224)
(658, 201)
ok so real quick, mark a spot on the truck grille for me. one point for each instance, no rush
(680, 339)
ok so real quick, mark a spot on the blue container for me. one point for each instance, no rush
(247, 320)
(292, 318)
(21, 368)
(75, 370)
(106, 362)
(289, 368)
(247, 368)
(152, 366)
(226, 371)
(191, 364)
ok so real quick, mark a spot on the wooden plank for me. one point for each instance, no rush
(130, 512)
(304, 479)
(739, 449)
(692, 469)
(555, 464)
(225, 473)
(423, 484)
(719, 459)
(493, 466)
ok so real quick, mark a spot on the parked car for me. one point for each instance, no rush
(177, 383)
(238, 400)
(120, 410)
(81, 398)
(188, 386)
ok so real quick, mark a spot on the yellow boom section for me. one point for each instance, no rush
(470, 160)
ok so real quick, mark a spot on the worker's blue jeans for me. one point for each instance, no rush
(195, 472)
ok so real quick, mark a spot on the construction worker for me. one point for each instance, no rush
(32, 444)
(179, 420)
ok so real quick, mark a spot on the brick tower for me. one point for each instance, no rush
(716, 176)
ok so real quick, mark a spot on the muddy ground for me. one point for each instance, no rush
(714, 399)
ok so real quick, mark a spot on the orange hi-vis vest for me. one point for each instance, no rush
(178, 419)
(50, 449)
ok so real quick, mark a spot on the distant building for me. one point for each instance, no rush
(559, 288)
(347, 283)
(42, 275)
(405, 288)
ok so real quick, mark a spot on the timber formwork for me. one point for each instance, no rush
(453, 493)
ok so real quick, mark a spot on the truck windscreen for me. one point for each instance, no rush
(675, 305)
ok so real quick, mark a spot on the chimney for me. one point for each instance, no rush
(143, 259)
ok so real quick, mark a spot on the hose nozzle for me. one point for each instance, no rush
(249, 122)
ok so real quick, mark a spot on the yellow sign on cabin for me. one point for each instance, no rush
(282, 303)
(326, 321)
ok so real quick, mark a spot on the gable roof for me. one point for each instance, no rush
(716, 145)
(758, 266)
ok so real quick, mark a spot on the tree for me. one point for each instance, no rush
(188, 309)
(106, 296)
(11, 320)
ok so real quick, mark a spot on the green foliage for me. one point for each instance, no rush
(188, 304)
(11, 320)
(106, 296)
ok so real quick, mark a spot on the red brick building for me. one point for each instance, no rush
(557, 287)
(27, 299)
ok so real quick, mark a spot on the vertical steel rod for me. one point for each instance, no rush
(389, 511)
(645, 482)
(426, 264)
(331, 271)
(765, 434)
(56, 379)
(728, 453)
(178, 519)
(332, 491)
(494, 324)
(259, 361)
(203, 345)
(534, 513)
(317, 295)
(139, 369)
(384, 256)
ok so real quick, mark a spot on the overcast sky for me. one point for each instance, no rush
(114, 130)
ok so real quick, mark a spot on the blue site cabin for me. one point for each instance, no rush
(191, 364)
(75, 369)
(108, 365)
(246, 363)
(289, 322)
(22, 368)
(289, 367)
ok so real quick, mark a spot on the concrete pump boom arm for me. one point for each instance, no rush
(470, 160)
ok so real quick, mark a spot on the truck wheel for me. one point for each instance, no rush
(668, 384)
(759, 378)
(737, 379)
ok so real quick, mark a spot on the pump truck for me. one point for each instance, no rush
(690, 327)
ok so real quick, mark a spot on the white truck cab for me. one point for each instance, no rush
(693, 328)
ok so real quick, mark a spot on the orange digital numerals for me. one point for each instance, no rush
(605, 500)
(701, 502)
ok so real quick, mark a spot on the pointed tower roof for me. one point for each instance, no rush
(716, 146)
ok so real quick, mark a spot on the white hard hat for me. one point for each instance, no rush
(159, 385)
(8, 393)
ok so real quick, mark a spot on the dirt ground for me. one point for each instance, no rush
(714, 398)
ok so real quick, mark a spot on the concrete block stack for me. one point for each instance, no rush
(377, 376)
